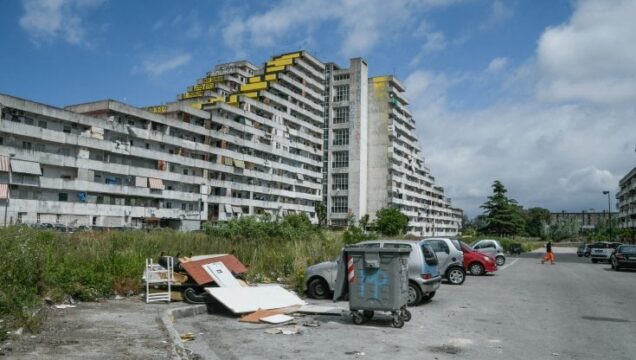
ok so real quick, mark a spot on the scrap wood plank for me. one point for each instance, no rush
(256, 316)
(248, 299)
(201, 277)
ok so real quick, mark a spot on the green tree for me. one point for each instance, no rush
(364, 221)
(321, 213)
(503, 215)
(536, 220)
(391, 221)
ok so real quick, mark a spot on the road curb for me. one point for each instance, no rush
(169, 317)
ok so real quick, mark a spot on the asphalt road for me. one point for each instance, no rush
(571, 310)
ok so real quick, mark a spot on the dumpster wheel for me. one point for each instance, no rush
(357, 317)
(397, 320)
(405, 315)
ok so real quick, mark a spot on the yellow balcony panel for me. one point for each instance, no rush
(196, 105)
(271, 69)
(192, 94)
(157, 109)
(217, 99)
(280, 62)
(253, 94)
(212, 79)
(254, 79)
(381, 79)
(289, 56)
(270, 77)
(255, 86)
(232, 99)
(206, 86)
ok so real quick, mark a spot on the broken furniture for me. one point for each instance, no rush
(156, 274)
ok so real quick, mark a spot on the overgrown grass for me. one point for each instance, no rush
(35, 264)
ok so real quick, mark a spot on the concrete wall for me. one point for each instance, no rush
(377, 145)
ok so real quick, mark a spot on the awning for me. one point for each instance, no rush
(227, 161)
(4, 191)
(155, 183)
(141, 181)
(26, 167)
(239, 163)
(228, 208)
(237, 210)
(4, 163)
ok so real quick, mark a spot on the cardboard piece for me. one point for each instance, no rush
(201, 277)
(256, 316)
(248, 299)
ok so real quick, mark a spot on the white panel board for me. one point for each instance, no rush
(221, 275)
(247, 299)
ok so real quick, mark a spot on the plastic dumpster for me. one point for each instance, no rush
(376, 280)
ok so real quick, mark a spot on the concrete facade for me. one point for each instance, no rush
(582, 221)
(242, 140)
(627, 201)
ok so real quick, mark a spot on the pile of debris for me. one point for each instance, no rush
(219, 278)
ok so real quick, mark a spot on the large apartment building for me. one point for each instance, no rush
(242, 140)
(627, 201)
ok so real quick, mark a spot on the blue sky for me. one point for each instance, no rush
(537, 94)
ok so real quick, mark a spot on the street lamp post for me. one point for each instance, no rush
(609, 212)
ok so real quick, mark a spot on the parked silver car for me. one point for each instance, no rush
(424, 276)
(450, 258)
(492, 248)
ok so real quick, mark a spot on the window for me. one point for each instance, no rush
(26, 145)
(62, 197)
(341, 77)
(339, 204)
(183, 206)
(42, 124)
(67, 129)
(341, 93)
(439, 246)
(340, 159)
(341, 137)
(341, 115)
(340, 182)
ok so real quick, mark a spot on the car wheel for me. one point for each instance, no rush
(586, 255)
(318, 289)
(415, 295)
(500, 260)
(615, 265)
(476, 269)
(456, 275)
(594, 261)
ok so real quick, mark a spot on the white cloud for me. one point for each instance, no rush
(361, 23)
(592, 57)
(48, 20)
(160, 64)
(497, 64)
(554, 156)
(499, 12)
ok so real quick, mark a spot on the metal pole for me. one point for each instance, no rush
(609, 212)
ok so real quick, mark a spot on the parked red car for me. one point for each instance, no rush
(475, 261)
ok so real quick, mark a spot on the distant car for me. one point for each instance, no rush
(424, 276)
(451, 259)
(583, 250)
(477, 262)
(492, 248)
(623, 257)
(601, 251)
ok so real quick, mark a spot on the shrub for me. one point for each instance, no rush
(391, 222)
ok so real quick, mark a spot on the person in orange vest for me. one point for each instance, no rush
(549, 255)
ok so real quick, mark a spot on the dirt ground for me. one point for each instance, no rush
(123, 329)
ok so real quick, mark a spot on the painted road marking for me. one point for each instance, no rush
(509, 264)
